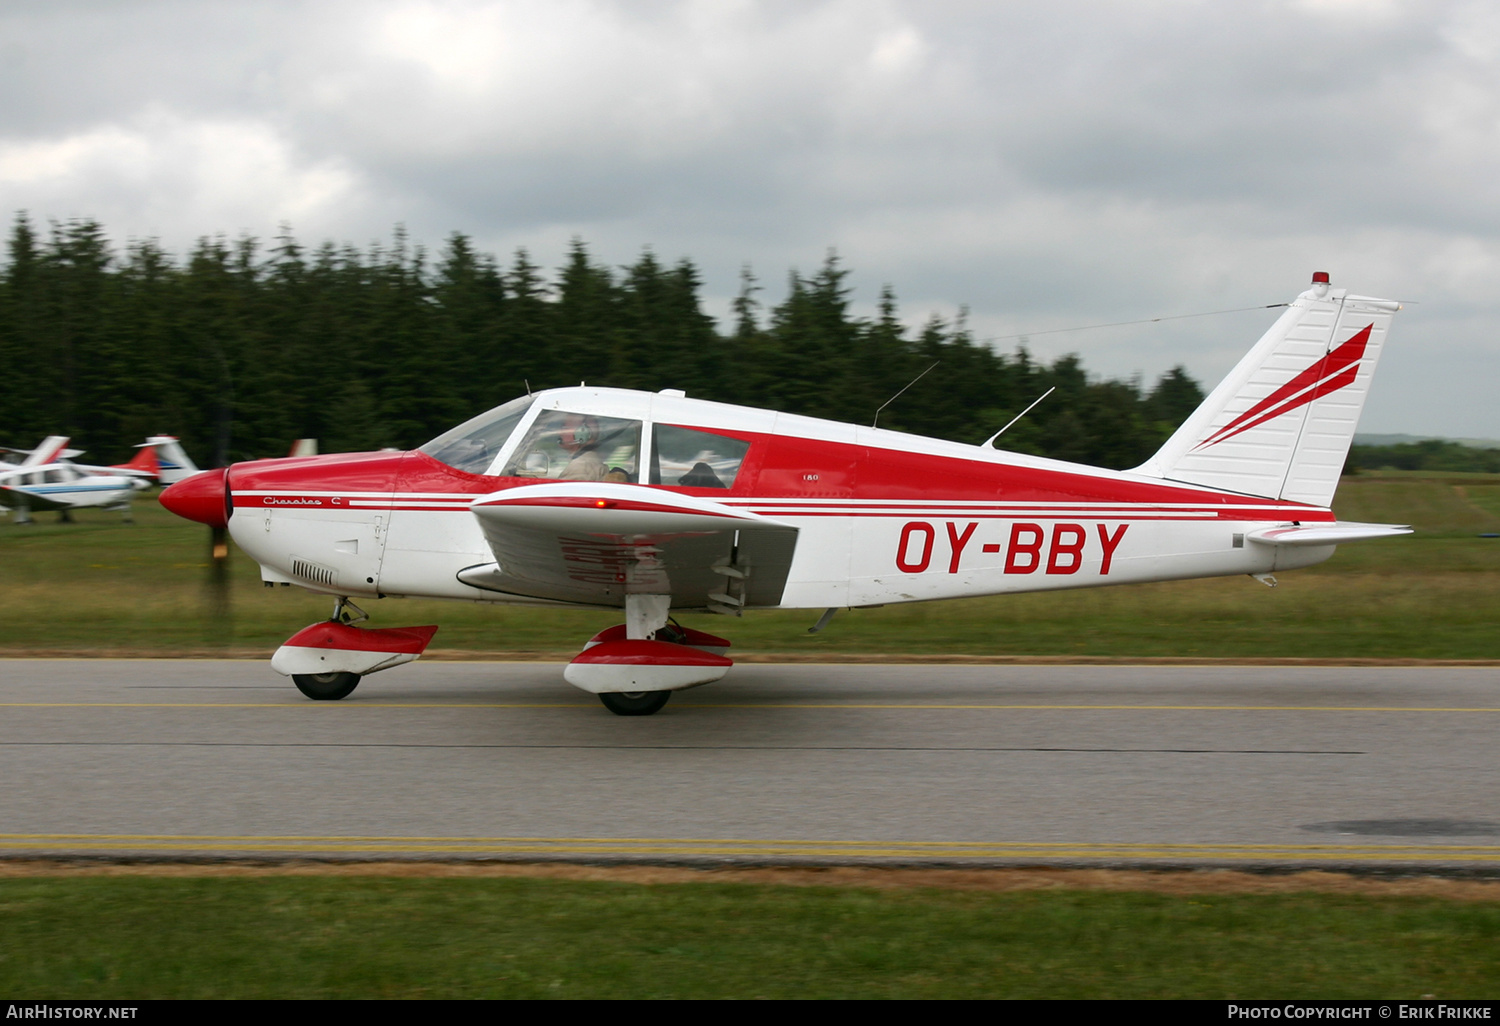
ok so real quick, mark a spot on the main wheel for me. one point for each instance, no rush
(634, 703)
(326, 687)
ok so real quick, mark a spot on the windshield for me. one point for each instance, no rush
(474, 444)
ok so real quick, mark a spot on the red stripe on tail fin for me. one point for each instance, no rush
(144, 460)
(1329, 374)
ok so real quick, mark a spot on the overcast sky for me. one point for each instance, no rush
(1045, 164)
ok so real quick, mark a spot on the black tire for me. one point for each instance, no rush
(634, 703)
(326, 687)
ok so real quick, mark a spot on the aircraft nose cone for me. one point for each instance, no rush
(202, 497)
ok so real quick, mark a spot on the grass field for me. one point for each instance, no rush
(99, 584)
(329, 936)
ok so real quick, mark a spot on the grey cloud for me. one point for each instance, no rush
(1045, 163)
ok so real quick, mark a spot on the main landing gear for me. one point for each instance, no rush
(326, 687)
(635, 666)
(634, 703)
(644, 703)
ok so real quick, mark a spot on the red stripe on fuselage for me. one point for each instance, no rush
(872, 481)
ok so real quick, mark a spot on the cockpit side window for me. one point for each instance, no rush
(474, 444)
(567, 446)
(695, 459)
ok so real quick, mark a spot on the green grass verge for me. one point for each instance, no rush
(99, 584)
(344, 937)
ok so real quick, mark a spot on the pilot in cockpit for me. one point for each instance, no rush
(579, 438)
(566, 446)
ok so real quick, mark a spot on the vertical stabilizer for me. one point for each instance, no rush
(173, 463)
(143, 462)
(50, 450)
(1281, 423)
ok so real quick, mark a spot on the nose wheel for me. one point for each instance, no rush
(630, 703)
(326, 687)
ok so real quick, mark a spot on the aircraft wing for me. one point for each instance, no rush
(21, 495)
(595, 543)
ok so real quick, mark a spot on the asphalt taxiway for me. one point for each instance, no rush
(1382, 768)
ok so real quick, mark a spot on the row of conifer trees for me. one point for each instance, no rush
(240, 347)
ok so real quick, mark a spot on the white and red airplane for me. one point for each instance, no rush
(656, 502)
(49, 479)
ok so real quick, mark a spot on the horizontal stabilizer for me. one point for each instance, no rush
(1326, 534)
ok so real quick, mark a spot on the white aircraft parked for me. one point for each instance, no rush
(49, 479)
(652, 503)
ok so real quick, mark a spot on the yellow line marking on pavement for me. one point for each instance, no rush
(296, 705)
(1095, 707)
(740, 847)
(762, 705)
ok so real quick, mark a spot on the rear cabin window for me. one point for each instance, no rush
(695, 459)
(565, 446)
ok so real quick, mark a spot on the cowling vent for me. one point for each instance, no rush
(314, 572)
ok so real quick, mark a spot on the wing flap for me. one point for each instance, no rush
(596, 543)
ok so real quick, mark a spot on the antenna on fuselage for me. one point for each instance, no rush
(1018, 416)
(913, 381)
(527, 383)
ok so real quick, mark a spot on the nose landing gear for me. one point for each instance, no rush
(327, 659)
